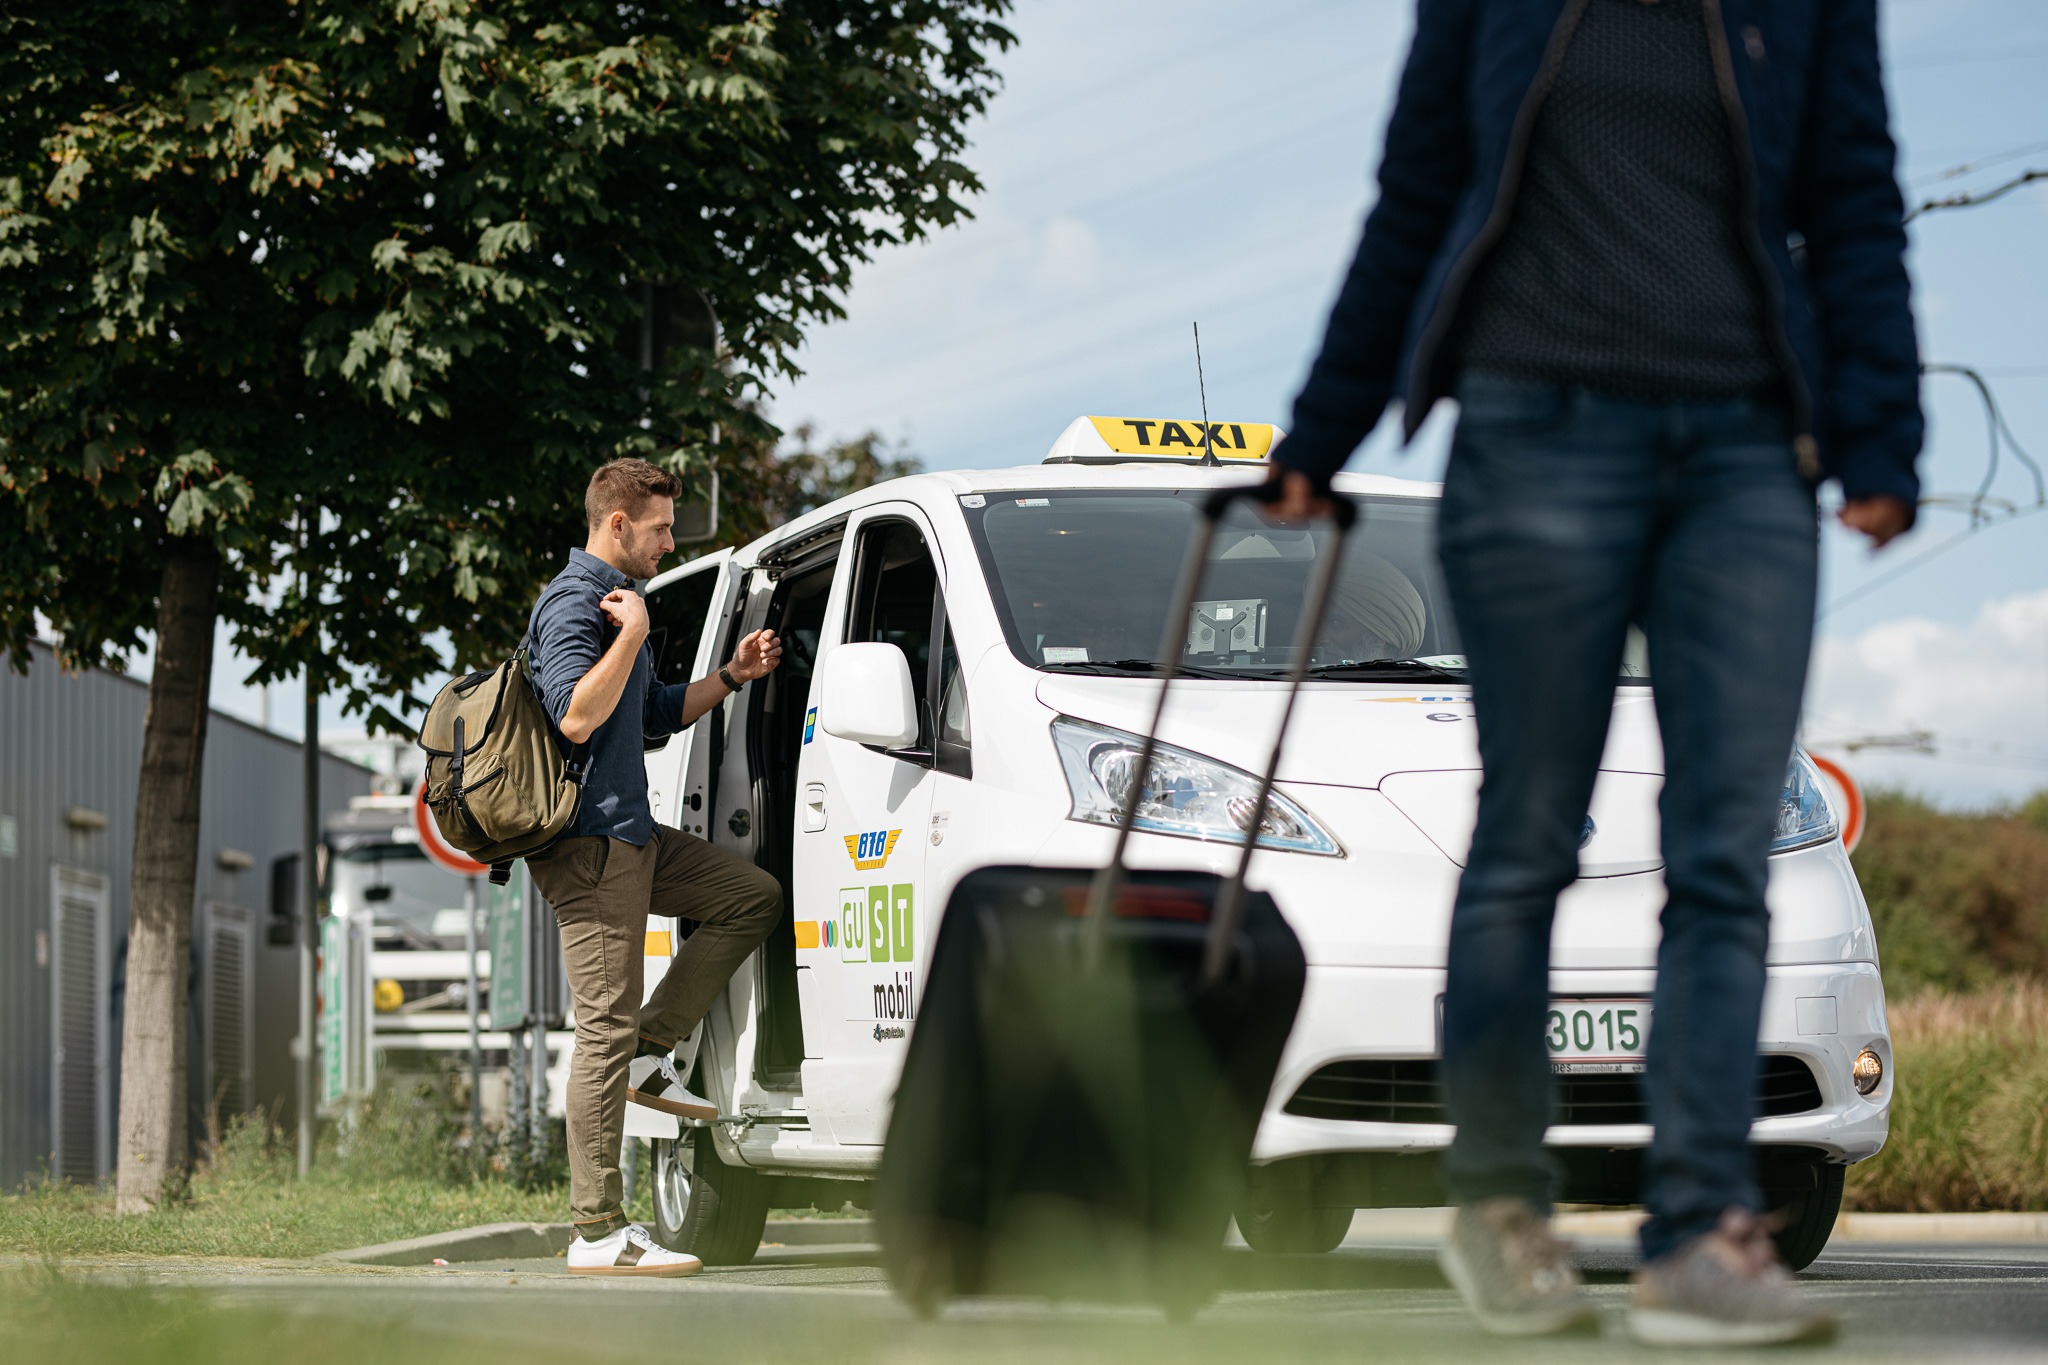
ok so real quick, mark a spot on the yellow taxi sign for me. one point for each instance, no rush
(1108, 440)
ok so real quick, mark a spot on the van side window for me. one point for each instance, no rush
(896, 601)
(675, 623)
(955, 731)
(892, 605)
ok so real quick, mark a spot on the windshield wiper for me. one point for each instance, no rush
(1126, 668)
(1388, 668)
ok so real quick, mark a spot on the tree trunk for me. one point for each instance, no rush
(153, 1039)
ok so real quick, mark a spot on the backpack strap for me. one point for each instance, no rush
(501, 872)
(575, 757)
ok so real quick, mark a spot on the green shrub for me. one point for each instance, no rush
(1960, 901)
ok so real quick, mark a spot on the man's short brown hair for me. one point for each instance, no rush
(625, 486)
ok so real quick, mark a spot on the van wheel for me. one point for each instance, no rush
(713, 1211)
(1809, 1198)
(1298, 1230)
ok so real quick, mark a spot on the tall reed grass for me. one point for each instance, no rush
(1969, 1126)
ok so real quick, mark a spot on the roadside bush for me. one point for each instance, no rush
(1960, 901)
(1969, 1126)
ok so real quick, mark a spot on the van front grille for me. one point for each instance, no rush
(1407, 1091)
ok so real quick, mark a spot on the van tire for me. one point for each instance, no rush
(1808, 1196)
(1298, 1231)
(702, 1206)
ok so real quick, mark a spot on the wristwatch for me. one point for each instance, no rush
(725, 676)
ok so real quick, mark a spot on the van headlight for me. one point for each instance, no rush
(1804, 816)
(1186, 795)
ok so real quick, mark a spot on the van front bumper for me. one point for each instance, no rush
(1362, 1013)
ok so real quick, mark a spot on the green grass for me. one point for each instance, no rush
(396, 1173)
(52, 1320)
(270, 1219)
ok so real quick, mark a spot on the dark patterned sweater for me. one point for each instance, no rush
(1621, 268)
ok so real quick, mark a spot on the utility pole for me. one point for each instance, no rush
(309, 896)
(476, 1053)
(309, 929)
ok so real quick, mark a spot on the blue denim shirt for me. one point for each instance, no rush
(567, 635)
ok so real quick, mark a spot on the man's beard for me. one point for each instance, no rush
(645, 561)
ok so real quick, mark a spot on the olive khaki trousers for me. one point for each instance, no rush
(602, 891)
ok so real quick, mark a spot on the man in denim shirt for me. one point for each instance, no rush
(1653, 248)
(614, 866)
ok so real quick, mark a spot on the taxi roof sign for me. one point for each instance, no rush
(1125, 440)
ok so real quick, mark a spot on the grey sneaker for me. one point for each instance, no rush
(1513, 1273)
(1724, 1288)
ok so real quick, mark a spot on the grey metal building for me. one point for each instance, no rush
(70, 752)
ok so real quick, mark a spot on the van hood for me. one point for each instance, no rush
(1342, 735)
(1417, 745)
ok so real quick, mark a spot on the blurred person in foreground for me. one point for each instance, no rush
(1653, 248)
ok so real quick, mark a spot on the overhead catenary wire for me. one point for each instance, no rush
(1972, 198)
(2000, 434)
(1964, 168)
(2001, 437)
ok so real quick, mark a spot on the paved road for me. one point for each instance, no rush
(1372, 1299)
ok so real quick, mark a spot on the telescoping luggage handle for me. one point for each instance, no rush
(1229, 909)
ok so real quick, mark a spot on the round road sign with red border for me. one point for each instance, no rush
(1852, 799)
(438, 848)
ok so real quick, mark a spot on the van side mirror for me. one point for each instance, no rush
(866, 696)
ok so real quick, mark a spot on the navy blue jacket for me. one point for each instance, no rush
(1802, 80)
(567, 635)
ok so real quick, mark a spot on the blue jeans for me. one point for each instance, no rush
(1567, 515)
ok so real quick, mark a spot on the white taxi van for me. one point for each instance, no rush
(968, 666)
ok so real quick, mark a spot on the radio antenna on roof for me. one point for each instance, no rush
(1202, 386)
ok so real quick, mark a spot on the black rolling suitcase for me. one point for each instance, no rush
(1092, 1054)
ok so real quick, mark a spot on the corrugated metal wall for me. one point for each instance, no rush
(74, 741)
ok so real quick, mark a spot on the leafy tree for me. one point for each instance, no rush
(315, 314)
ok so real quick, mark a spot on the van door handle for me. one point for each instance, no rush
(814, 807)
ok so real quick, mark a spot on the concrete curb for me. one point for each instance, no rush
(819, 1232)
(540, 1241)
(1942, 1227)
(1851, 1229)
(1857, 1228)
(491, 1242)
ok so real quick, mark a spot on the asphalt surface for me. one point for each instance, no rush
(1371, 1299)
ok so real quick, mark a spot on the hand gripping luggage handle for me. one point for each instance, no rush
(1229, 910)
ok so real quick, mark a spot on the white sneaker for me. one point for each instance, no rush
(653, 1081)
(629, 1251)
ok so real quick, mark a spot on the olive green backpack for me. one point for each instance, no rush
(502, 783)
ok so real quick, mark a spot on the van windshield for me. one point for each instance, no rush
(1082, 580)
(410, 899)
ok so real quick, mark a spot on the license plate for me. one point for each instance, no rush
(1597, 1035)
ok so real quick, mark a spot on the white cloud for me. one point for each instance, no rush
(1070, 254)
(1979, 690)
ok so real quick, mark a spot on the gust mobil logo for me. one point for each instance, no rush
(871, 850)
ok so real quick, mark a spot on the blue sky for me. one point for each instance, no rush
(1155, 162)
